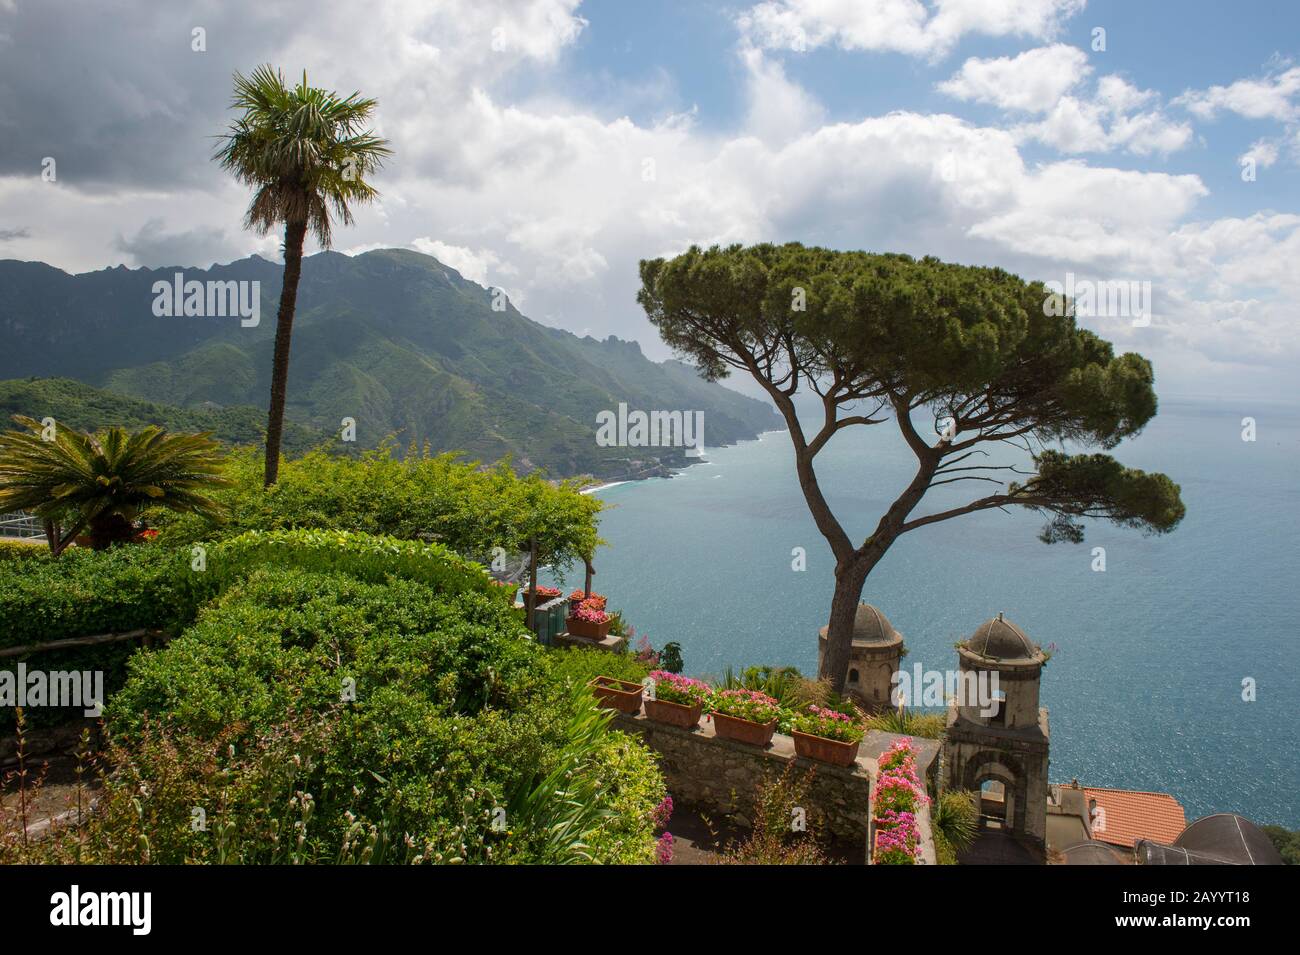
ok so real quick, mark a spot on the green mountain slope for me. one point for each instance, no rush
(393, 339)
(86, 408)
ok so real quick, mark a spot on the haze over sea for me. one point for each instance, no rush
(1145, 687)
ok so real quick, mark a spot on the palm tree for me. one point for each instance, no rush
(306, 155)
(102, 482)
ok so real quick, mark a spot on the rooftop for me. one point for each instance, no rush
(1130, 815)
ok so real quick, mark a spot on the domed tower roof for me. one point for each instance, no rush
(871, 628)
(1001, 641)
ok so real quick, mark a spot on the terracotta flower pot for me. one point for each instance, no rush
(583, 628)
(674, 714)
(825, 750)
(617, 694)
(535, 600)
(743, 731)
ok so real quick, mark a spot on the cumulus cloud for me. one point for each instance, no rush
(1269, 97)
(899, 26)
(1033, 81)
(1046, 81)
(500, 176)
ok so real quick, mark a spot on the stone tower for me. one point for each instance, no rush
(874, 659)
(1006, 740)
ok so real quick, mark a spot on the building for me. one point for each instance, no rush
(1221, 839)
(1009, 745)
(874, 659)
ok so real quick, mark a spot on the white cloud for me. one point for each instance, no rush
(1041, 81)
(1033, 81)
(1269, 97)
(514, 185)
(901, 26)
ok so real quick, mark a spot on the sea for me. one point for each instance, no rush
(1175, 669)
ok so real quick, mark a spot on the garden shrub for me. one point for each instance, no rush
(467, 508)
(457, 715)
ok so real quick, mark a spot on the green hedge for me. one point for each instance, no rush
(87, 592)
(455, 714)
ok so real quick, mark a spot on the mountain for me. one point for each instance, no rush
(393, 339)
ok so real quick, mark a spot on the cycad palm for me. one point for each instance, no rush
(306, 154)
(102, 482)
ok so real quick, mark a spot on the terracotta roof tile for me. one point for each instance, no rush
(1131, 815)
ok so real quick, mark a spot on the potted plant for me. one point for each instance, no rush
(826, 735)
(896, 840)
(593, 600)
(746, 716)
(589, 619)
(539, 595)
(507, 588)
(676, 700)
(615, 694)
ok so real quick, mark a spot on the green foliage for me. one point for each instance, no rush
(1287, 842)
(303, 150)
(457, 715)
(772, 842)
(88, 592)
(896, 335)
(670, 657)
(464, 507)
(15, 549)
(578, 666)
(85, 408)
(910, 722)
(1096, 485)
(103, 482)
(954, 821)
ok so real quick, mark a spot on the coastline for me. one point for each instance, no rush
(665, 472)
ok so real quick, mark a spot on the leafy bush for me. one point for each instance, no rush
(87, 592)
(15, 549)
(910, 723)
(466, 508)
(465, 741)
(954, 819)
(578, 666)
(772, 842)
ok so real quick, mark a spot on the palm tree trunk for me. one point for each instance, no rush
(294, 234)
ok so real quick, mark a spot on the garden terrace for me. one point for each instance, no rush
(723, 776)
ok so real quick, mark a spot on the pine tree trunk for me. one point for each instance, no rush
(294, 235)
(849, 581)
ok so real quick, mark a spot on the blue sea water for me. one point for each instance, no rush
(1145, 687)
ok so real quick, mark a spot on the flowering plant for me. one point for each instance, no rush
(541, 593)
(897, 839)
(745, 705)
(588, 615)
(593, 600)
(828, 724)
(644, 653)
(900, 755)
(673, 688)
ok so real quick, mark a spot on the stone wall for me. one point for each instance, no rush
(724, 775)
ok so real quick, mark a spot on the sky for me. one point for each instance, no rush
(546, 146)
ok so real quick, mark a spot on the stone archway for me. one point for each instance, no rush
(986, 765)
